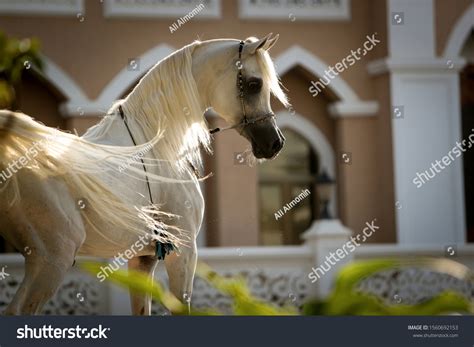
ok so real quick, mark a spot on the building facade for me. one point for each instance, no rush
(381, 93)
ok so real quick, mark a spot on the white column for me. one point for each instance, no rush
(431, 213)
(426, 123)
(326, 236)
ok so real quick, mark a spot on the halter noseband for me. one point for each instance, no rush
(240, 84)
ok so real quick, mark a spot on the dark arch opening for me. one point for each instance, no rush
(283, 217)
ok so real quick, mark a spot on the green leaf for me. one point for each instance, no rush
(346, 299)
(244, 303)
(140, 283)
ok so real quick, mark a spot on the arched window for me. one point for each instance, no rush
(287, 193)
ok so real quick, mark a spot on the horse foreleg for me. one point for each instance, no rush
(181, 268)
(43, 276)
(47, 226)
(141, 304)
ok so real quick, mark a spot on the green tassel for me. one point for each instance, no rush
(163, 248)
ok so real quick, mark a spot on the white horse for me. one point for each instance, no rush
(63, 195)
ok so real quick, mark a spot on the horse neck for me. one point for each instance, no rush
(167, 100)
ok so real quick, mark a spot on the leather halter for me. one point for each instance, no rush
(240, 84)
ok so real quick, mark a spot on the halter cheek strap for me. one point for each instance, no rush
(240, 85)
(241, 82)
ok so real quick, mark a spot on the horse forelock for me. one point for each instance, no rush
(271, 77)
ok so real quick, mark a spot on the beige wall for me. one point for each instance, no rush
(231, 194)
(385, 190)
(37, 99)
(95, 50)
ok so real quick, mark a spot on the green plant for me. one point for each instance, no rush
(243, 302)
(344, 299)
(16, 56)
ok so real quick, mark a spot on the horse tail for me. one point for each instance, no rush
(7, 120)
(91, 172)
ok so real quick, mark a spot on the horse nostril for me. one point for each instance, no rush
(277, 145)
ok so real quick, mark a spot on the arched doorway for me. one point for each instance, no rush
(291, 177)
(287, 197)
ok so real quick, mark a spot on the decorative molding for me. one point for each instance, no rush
(326, 228)
(298, 56)
(349, 105)
(291, 255)
(126, 77)
(415, 65)
(313, 135)
(282, 288)
(163, 9)
(114, 90)
(42, 7)
(61, 81)
(412, 285)
(353, 109)
(86, 108)
(459, 34)
(79, 104)
(371, 251)
(295, 11)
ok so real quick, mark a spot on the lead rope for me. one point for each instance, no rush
(162, 248)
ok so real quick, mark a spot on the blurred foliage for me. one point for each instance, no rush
(344, 299)
(16, 56)
(243, 302)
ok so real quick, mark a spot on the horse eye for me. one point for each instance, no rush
(254, 86)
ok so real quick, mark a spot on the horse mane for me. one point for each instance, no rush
(166, 100)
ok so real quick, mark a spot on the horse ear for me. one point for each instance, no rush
(264, 43)
(271, 42)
